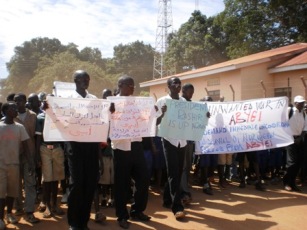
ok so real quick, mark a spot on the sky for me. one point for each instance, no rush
(100, 24)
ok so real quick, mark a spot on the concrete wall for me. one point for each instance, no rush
(293, 79)
(246, 83)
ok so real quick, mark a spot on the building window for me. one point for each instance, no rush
(215, 94)
(214, 81)
(280, 92)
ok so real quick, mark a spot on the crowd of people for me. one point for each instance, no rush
(118, 172)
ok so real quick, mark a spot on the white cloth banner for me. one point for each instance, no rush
(133, 117)
(72, 119)
(243, 126)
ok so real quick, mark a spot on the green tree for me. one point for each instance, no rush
(215, 42)
(247, 24)
(25, 61)
(186, 49)
(34, 65)
(72, 48)
(61, 67)
(134, 59)
(291, 14)
(256, 25)
(26, 57)
(92, 55)
(199, 42)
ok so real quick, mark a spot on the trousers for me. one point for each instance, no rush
(130, 165)
(174, 157)
(83, 163)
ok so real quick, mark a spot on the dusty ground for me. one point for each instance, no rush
(231, 208)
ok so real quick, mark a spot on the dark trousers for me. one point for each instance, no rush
(84, 172)
(294, 157)
(174, 157)
(187, 165)
(130, 164)
(303, 165)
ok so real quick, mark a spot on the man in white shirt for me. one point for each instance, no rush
(303, 174)
(174, 152)
(83, 167)
(129, 162)
(294, 151)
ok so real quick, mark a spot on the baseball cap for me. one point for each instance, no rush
(299, 99)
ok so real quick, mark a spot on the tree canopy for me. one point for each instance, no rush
(199, 42)
(60, 68)
(136, 60)
(244, 27)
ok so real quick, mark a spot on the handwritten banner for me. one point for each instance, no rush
(81, 120)
(184, 120)
(243, 126)
(133, 117)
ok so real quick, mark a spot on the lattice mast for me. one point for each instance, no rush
(196, 5)
(164, 27)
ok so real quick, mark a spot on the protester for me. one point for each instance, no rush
(106, 178)
(34, 104)
(10, 97)
(207, 164)
(106, 181)
(129, 163)
(295, 150)
(52, 164)
(186, 196)
(303, 166)
(27, 118)
(9, 160)
(83, 167)
(107, 163)
(174, 152)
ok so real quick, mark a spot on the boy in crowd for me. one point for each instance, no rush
(27, 118)
(52, 164)
(12, 136)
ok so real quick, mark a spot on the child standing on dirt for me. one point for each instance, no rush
(12, 136)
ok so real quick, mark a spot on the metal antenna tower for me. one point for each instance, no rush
(165, 25)
(196, 5)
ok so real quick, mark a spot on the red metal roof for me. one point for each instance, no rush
(298, 60)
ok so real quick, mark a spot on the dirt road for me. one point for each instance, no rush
(230, 208)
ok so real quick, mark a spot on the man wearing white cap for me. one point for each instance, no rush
(294, 151)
